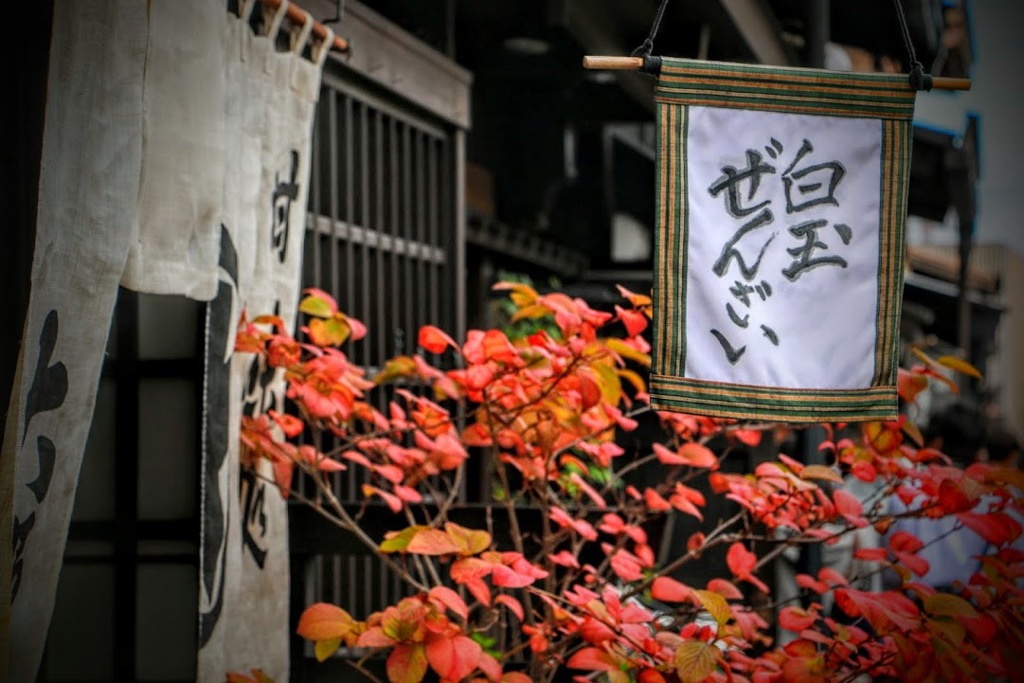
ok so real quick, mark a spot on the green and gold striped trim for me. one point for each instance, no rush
(785, 89)
(894, 183)
(719, 399)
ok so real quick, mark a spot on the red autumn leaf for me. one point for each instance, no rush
(832, 576)
(453, 658)
(871, 554)
(808, 582)
(742, 563)
(904, 542)
(740, 560)
(667, 589)
(626, 566)
(590, 392)
(450, 599)
(655, 501)
(849, 507)
(514, 605)
(997, 528)
(909, 385)
(290, 425)
(885, 612)
(592, 659)
(322, 621)
(695, 542)
(634, 321)
(564, 558)
(434, 340)
(636, 300)
(407, 664)
(393, 501)
(650, 676)
(725, 588)
(796, 619)
(952, 497)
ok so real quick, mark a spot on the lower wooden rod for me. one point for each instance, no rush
(633, 63)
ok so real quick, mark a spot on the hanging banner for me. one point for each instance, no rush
(244, 565)
(781, 203)
(88, 188)
(176, 237)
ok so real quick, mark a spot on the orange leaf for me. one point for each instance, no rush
(434, 340)
(453, 658)
(407, 664)
(433, 542)
(592, 659)
(450, 599)
(513, 605)
(323, 621)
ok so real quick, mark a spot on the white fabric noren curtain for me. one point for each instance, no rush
(175, 161)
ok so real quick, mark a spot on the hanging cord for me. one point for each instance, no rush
(651, 64)
(339, 14)
(919, 80)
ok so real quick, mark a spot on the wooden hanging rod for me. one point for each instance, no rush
(297, 15)
(636, 63)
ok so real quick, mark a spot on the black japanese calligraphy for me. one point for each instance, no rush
(806, 184)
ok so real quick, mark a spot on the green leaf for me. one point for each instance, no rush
(326, 648)
(695, 660)
(316, 306)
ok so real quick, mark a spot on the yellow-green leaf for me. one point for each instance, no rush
(1006, 475)
(398, 541)
(912, 431)
(953, 631)
(330, 332)
(925, 358)
(531, 311)
(608, 380)
(716, 605)
(695, 660)
(399, 366)
(959, 365)
(316, 306)
(626, 351)
(326, 648)
(821, 472)
(948, 605)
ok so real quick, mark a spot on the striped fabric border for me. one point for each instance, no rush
(806, 91)
(793, 90)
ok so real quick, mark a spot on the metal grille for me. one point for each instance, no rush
(381, 226)
(384, 238)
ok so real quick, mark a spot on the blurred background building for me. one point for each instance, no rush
(460, 140)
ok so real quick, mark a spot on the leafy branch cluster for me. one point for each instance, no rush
(582, 590)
